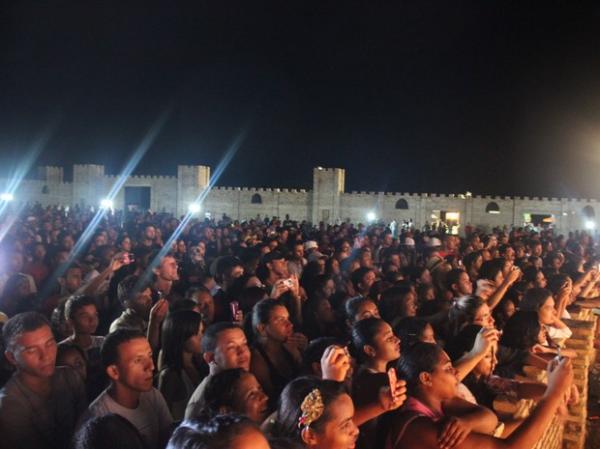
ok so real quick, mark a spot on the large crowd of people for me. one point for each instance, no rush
(139, 330)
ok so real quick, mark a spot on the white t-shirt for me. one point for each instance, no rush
(557, 334)
(151, 417)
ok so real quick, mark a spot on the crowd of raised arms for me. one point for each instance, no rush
(142, 331)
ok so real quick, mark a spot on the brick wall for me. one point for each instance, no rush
(565, 432)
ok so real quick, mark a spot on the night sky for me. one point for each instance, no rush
(410, 96)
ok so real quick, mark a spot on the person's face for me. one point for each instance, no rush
(201, 249)
(428, 336)
(34, 352)
(329, 288)
(386, 344)
(429, 294)
(410, 304)
(547, 313)
(426, 277)
(150, 233)
(335, 266)
(499, 278)
(444, 378)
(73, 359)
(232, 350)
(367, 309)
(540, 280)
(16, 262)
(279, 327)
(206, 306)
(464, 284)
(339, 432)
(62, 257)
(366, 260)
(126, 244)
(100, 240)
(509, 254)
(168, 269)
(536, 250)
(299, 252)
(68, 243)
(181, 247)
(193, 344)
(250, 399)
(85, 320)
(134, 368)
(73, 279)
(142, 303)
(236, 272)
(487, 364)
(250, 438)
(279, 267)
(325, 312)
(40, 252)
(483, 317)
(509, 309)
(367, 281)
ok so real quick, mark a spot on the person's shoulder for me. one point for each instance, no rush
(67, 374)
(97, 341)
(9, 396)
(101, 405)
(410, 430)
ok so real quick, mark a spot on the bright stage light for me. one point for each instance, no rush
(590, 224)
(106, 204)
(194, 208)
(7, 197)
(371, 216)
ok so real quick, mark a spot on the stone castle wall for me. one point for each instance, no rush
(327, 201)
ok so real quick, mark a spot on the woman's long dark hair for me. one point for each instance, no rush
(421, 357)
(521, 330)
(176, 329)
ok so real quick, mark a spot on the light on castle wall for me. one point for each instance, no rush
(194, 208)
(371, 216)
(590, 224)
(7, 197)
(106, 203)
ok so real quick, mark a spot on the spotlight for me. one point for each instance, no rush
(106, 204)
(7, 197)
(371, 216)
(194, 208)
(590, 224)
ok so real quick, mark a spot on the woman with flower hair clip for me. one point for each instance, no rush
(317, 413)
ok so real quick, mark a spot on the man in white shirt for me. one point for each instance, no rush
(127, 359)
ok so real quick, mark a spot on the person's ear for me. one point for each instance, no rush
(112, 372)
(309, 437)
(425, 378)
(369, 350)
(225, 410)
(262, 329)
(316, 369)
(10, 356)
(208, 357)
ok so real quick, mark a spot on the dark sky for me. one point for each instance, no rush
(491, 97)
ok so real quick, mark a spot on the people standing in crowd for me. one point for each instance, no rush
(287, 284)
(40, 404)
(127, 359)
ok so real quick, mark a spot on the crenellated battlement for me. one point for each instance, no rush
(325, 200)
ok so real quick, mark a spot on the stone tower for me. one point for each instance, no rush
(191, 181)
(328, 186)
